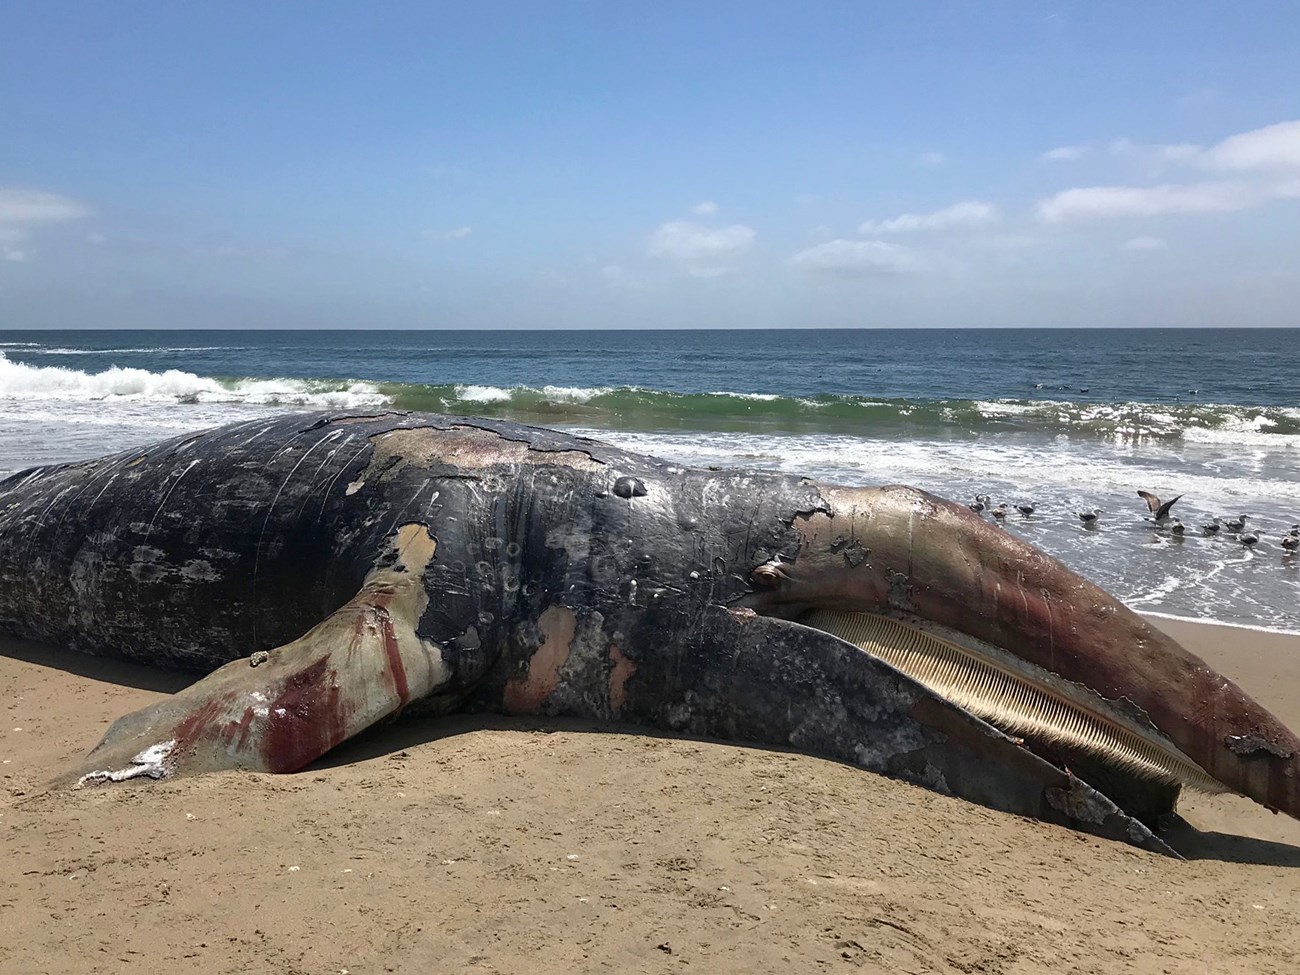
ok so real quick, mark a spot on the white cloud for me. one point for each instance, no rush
(701, 251)
(457, 233)
(1272, 147)
(1156, 155)
(27, 207)
(965, 213)
(1145, 244)
(857, 259)
(932, 159)
(1065, 153)
(1149, 201)
(23, 210)
(706, 209)
(1265, 158)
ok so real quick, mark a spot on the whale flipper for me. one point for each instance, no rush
(278, 710)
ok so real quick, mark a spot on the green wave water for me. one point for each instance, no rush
(633, 408)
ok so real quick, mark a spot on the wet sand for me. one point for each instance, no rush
(487, 845)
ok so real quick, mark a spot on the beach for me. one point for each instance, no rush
(494, 845)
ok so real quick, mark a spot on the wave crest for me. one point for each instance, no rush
(24, 382)
(636, 408)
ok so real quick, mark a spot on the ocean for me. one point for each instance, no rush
(1066, 420)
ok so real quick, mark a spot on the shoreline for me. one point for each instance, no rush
(1158, 618)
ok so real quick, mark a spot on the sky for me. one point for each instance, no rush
(629, 165)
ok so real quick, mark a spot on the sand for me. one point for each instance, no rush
(507, 846)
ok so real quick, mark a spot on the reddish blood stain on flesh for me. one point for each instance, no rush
(190, 730)
(305, 720)
(238, 730)
(395, 667)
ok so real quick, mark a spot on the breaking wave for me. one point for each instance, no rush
(54, 383)
(635, 408)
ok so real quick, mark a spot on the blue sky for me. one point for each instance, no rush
(631, 165)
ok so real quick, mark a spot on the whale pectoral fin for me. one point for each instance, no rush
(278, 710)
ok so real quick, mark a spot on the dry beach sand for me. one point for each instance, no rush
(502, 846)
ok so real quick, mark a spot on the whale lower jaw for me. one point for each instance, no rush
(1017, 696)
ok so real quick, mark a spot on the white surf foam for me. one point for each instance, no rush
(482, 394)
(19, 381)
(574, 394)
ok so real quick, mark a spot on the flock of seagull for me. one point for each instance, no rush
(1159, 516)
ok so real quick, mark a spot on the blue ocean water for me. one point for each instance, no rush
(1067, 419)
(1235, 366)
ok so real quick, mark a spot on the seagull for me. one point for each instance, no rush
(999, 512)
(1090, 517)
(979, 504)
(1177, 527)
(1295, 530)
(1291, 542)
(1158, 508)
(1213, 527)
(1025, 508)
(1238, 524)
(1249, 539)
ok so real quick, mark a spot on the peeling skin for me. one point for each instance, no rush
(464, 448)
(623, 670)
(527, 694)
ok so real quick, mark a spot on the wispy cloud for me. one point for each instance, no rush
(24, 206)
(1145, 244)
(700, 251)
(706, 209)
(1065, 153)
(1272, 147)
(932, 159)
(457, 233)
(1264, 165)
(1149, 201)
(23, 210)
(857, 259)
(968, 212)
(1155, 155)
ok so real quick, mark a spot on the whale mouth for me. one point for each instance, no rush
(1017, 696)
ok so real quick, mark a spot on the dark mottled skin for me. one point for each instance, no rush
(571, 577)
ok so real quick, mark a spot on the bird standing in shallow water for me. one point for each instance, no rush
(1177, 527)
(979, 504)
(1090, 517)
(1212, 528)
(1025, 509)
(1238, 524)
(999, 512)
(1250, 539)
(1291, 542)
